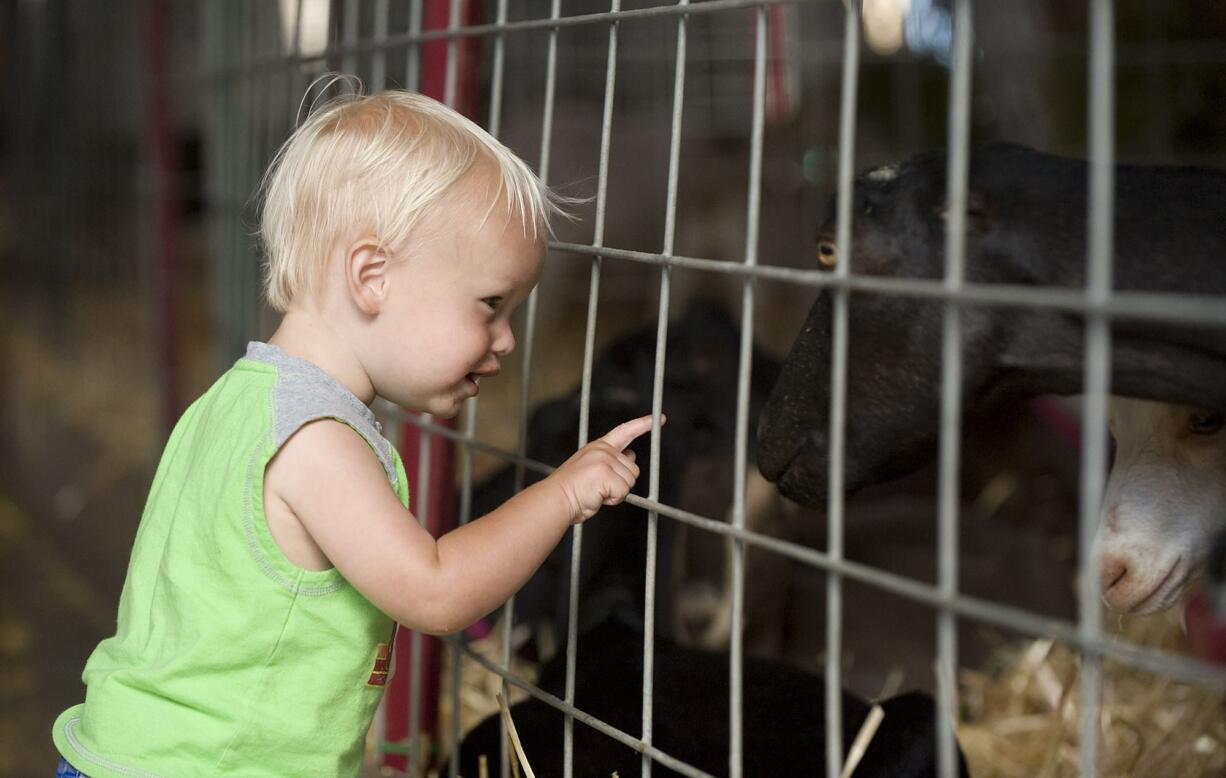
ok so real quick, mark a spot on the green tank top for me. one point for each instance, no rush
(228, 659)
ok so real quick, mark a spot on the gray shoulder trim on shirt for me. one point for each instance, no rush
(304, 393)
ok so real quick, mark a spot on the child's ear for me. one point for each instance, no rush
(366, 274)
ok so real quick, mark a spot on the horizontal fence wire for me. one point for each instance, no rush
(1153, 660)
(352, 48)
(1169, 307)
(1188, 53)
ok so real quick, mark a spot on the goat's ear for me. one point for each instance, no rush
(978, 211)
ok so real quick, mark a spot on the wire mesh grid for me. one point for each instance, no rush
(256, 77)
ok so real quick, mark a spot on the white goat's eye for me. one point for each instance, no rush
(1205, 423)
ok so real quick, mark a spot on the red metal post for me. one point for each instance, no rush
(782, 63)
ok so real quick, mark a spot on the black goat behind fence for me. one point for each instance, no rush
(784, 723)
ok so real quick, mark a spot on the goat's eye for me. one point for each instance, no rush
(865, 203)
(1205, 423)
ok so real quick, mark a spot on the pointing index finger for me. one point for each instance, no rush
(624, 434)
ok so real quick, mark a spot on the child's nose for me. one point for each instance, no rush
(504, 340)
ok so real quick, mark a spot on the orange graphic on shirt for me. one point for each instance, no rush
(383, 661)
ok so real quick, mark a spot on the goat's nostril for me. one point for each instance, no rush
(1114, 570)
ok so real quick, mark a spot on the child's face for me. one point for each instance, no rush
(447, 321)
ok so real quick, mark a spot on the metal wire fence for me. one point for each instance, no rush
(249, 80)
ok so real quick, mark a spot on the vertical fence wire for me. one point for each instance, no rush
(465, 515)
(265, 28)
(674, 143)
(449, 77)
(1097, 363)
(650, 561)
(234, 42)
(412, 57)
(292, 66)
(754, 208)
(212, 95)
(234, 198)
(657, 397)
(245, 303)
(223, 191)
(266, 96)
(585, 392)
(951, 388)
(496, 72)
(272, 108)
(838, 392)
(233, 315)
(422, 500)
(259, 85)
(653, 518)
(670, 230)
(378, 62)
(470, 410)
(529, 342)
(350, 36)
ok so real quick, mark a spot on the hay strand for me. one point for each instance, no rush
(1020, 716)
(860, 745)
(514, 735)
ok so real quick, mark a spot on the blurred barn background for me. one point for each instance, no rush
(133, 136)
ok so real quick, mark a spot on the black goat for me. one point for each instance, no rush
(1026, 225)
(699, 398)
(783, 722)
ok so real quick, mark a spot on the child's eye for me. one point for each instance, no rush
(494, 303)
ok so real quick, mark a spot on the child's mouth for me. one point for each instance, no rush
(470, 383)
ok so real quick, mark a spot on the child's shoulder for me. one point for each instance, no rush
(303, 393)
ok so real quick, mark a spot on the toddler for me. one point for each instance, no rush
(276, 554)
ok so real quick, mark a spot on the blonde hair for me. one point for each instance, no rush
(377, 163)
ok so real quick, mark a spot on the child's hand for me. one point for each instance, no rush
(602, 472)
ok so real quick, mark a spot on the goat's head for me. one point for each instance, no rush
(1165, 502)
(1026, 225)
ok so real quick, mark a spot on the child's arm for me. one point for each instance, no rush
(327, 477)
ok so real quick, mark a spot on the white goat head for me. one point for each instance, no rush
(1165, 500)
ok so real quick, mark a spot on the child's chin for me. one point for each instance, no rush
(438, 407)
(447, 408)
